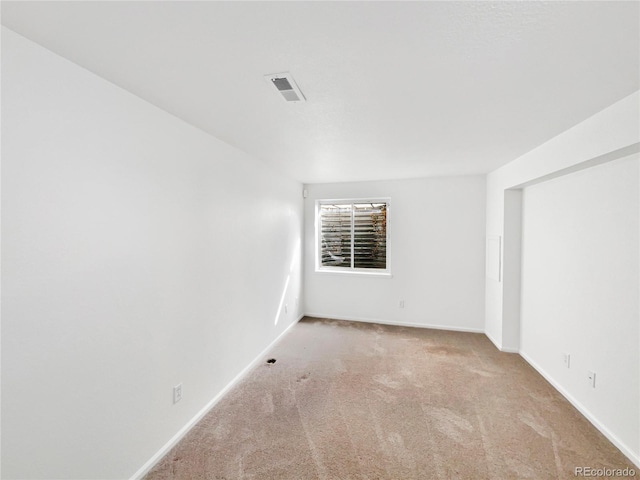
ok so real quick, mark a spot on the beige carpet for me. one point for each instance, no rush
(349, 401)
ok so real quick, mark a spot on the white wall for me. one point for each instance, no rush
(511, 275)
(585, 149)
(137, 252)
(436, 249)
(580, 290)
(610, 134)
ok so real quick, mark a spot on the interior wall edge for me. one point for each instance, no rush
(146, 468)
(511, 269)
(499, 346)
(630, 454)
(592, 162)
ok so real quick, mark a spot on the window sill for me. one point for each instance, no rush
(354, 273)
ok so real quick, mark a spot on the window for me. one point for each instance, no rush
(352, 235)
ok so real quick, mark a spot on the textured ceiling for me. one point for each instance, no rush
(394, 89)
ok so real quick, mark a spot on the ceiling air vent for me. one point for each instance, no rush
(286, 85)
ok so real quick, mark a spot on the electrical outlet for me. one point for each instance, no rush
(566, 359)
(401, 303)
(177, 393)
(592, 379)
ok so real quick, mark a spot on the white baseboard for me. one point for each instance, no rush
(399, 324)
(493, 340)
(499, 345)
(634, 457)
(146, 468)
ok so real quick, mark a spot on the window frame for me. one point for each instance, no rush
(325, 269)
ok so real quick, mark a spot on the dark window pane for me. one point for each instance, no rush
(370, 235)
(335, 224)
